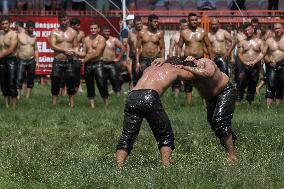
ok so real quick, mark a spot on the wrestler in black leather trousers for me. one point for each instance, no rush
(8, 76)
(222, 64)
(77, 71)
(145, 103)
(220, 112)
(133, 70)
(275, 81)
(60, 69)
(26, 70)
(95, 70)
(247, 76)
(111, 74)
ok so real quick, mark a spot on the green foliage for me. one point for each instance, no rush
(58, 147)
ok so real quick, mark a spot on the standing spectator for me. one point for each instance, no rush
(102, 5)
(206, 5)
(273, 4)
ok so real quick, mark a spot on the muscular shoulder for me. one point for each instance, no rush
(100, 38)
(200, 30)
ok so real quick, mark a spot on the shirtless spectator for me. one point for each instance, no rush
(8, 63)
(131, 48)
(222, 45)
(63, 41)
(95, 45)
(150, 45)
(109, 58)
(275, 66)
(27, 54)
(144, 102)
(173, 50)
(195, 39)
(251, 52)
(75, 24)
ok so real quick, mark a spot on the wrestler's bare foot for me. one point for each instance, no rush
(188, 98)
(269, 102)
(106, 102)
(71, 101)
(92, 103)
(14, 102)
(29, 92)
(166, 152)
(176, 92)
(232, 160)
(121, 155)
(19, 94)
(230, 149)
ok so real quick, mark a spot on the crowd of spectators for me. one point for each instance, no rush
(106, 5)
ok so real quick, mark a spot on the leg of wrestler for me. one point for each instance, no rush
(101, 81)
(222, 65)
(12, 90)
(162, 130)
(56, 75)
(3, 81)
(241, 84)
(270, 82)
(70, 82)
(30, 77)
(188, 92)
(176, 87)
(90, 83)
(252, 82)
(77, 72)
(131, 128)
(219, 118)
(133, 72)
(113, 77)
(280, 86)
(20, 76)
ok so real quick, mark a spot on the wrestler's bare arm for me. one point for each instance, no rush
(98, 52)
(263, 48)
(230, 39)
(13, 46)
(81, 51)
(36, 51)
(138, 46)
(241, 52)
(119, 45)
(162, 44)
(208, 46)
(180, 43)
(172, 46)
(207, 69)
(184, 74)
(267, 57)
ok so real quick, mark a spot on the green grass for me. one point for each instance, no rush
(56, 147)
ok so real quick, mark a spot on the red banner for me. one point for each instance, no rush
(43, 27)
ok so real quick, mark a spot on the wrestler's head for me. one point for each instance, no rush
(30, 27)
(183, 24)
(248, 29)
(278, 29)
(106, 31)
(153, 21)
(75, 23)
(138, 23)
(94, 28)
(192, 20)
(5, 23)
(255, 24)
(63, 19)
(214, 23)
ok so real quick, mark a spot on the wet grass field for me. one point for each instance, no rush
(58, 147)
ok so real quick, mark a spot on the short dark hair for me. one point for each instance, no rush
(152, 17)
(75, 21)
(94, 23)
(19, 23)
(105, 27)
(5, 18)
(61, 15)
(137, 19)
(30, 24)
(182, 21)
(254, 20)
(191, 14)
(246, 25)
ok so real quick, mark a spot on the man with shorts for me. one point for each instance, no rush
(144, 102)
(95, 45)
(27, 54)
(195, 39)
(63, 41)
(8, 62)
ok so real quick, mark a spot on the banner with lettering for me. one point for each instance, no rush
(43, 27)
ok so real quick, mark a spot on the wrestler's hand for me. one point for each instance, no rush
(116, 60)
(158, 61)
(69, 51)
(190, 58)
(179, 66)
(138, 67)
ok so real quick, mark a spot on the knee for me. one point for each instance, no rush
(221, 127)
